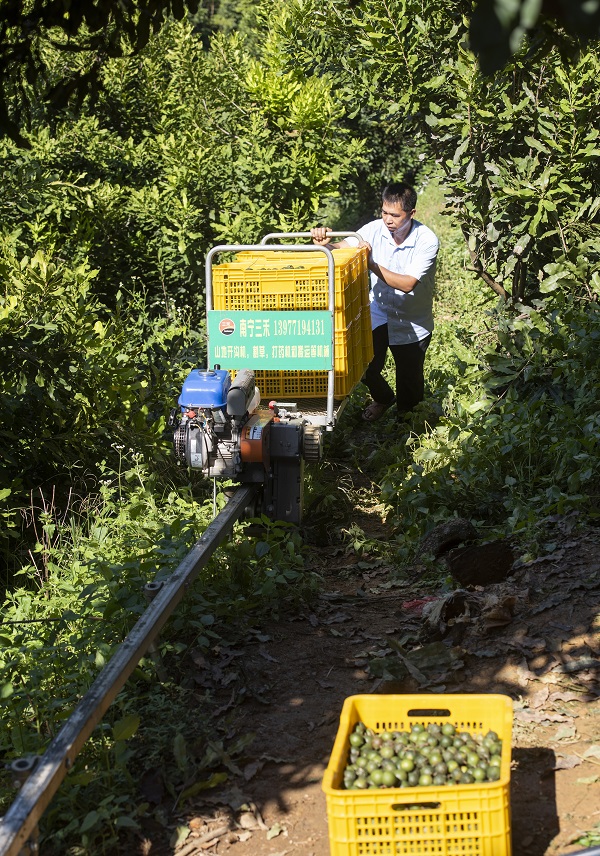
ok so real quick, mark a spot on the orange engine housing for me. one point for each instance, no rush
(255, 441)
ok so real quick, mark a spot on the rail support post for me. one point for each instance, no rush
(20, 770)
(150, 592)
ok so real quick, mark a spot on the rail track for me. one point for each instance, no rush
(41, 776)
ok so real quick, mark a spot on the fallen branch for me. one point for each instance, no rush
(192, 847)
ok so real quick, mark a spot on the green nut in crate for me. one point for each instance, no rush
(426, 755)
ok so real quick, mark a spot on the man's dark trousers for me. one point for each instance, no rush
(409, 360)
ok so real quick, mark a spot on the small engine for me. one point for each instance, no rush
(220, 430)
(213, 411)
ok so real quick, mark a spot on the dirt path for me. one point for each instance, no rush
(534, 637)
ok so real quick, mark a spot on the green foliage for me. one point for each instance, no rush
(89, 569)
(54, 51)
(315, 38)
(265, 125)
(245, 17)
(75, 601)
(184, 149)
(519, 151)
(76, 382)
(518, 438)
(498, 27)
(524, 172)
(589, 839)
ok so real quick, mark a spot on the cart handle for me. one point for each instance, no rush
(309, 235)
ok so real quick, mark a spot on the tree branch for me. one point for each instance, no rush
(477, 268)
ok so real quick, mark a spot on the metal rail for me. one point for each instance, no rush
(21, 819)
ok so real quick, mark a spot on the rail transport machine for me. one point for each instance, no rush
(289, 337)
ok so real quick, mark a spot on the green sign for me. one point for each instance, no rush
(294, 341)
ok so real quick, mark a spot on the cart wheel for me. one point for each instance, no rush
(313, 443)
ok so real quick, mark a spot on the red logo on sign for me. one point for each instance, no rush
(226, 326)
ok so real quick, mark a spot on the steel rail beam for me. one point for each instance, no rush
(33, 798)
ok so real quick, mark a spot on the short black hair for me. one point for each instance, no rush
(400, 193)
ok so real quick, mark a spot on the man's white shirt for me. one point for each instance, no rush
(409, 316)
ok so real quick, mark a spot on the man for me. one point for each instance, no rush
(402, 256)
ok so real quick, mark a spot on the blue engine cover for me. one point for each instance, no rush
(205, 389)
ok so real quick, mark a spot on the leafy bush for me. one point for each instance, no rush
(518, 440)
(186, 148)
(75, 381)
(80, 594)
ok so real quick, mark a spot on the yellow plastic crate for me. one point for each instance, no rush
(448, 820)
(258, 280)
(366, 335)
(348, 367)
(284, 385)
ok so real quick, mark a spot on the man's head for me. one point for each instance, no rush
(399, 193)
(398, 206)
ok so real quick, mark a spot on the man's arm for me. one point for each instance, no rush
(320, 236)
(422, 262)
(399, 281)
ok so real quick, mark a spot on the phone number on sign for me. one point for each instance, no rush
(299, 327)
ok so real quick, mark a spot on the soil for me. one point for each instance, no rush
(533, 636)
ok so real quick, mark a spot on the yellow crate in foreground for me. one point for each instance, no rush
(447, 820)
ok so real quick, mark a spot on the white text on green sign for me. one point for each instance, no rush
(300, 341)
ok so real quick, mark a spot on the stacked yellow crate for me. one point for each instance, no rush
(298, 281)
